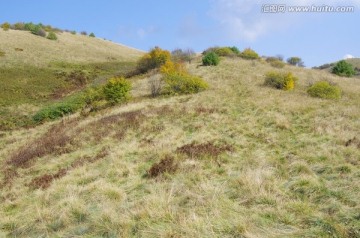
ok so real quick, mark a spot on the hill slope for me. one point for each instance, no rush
(238, 160)
(36, 72)
(39, 51)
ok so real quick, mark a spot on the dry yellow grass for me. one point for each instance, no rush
(292, 171)
(39, 51)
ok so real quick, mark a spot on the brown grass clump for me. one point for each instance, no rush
(8, 175)
(166, 165)
(194, 150)
(55, 141)
(45, 180)
(353, 141)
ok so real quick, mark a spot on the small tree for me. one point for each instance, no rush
(179, 55)
(5, 26)
(296, 61)
(235, 50)
(117, 90)
(51, 36)
(343, 68)
(92, 34)
(211, 58)
(248, 53)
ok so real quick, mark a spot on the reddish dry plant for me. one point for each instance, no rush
(204, 110)
(353, 141)
(119, 122)
(55, 141)
(45, 180)
(194, 150)
(166, 165)
(9, 174)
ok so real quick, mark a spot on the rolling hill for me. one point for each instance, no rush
(24, 48)
(237, 160)
(36, 72)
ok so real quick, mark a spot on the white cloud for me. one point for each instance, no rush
(243, 19)
(144, 32)
(348, 56)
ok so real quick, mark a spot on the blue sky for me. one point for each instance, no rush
(317, 38)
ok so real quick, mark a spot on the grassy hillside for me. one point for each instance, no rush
(22, 47)
(36, 72)
(240, 160)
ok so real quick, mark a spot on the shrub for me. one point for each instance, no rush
(51, 36)
(154, 59)
(325, 90)
(296, 61)
(92, 34)
(2, 53)
(156, 85)
(84, 33)
(210, 49)
(73, 32)
(171, 67)
(117, 90)
(343, 68)
(224, 51)
(5, 26)
(183, 83)
(57, 111)
(235, 50)
(210, 58)
(19, 26)
(275, 62)
(248, 53)
(37, 30)
(94, 99)
(179, 55)
(284, 81)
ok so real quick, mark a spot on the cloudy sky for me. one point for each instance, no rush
(317, 37)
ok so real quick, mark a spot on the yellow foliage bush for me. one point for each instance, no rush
(154, 59)
(284, 81)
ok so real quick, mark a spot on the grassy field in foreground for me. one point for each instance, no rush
(240, 160)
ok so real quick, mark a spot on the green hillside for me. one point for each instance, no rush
(36, 72)
(238, 160)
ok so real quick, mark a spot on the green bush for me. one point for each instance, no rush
(323, 89)
(84, 33)
(275, 62)
(2, 53)
(182, 83)
(117, 90)
(58, 110)
(5, 26)
(249, 54)
(224, 51)
(92, 34)
(296, 61)
(210, 58)
(284, 81)
(73, 32)
(343, 68)
(235, 50)
(51, 36)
